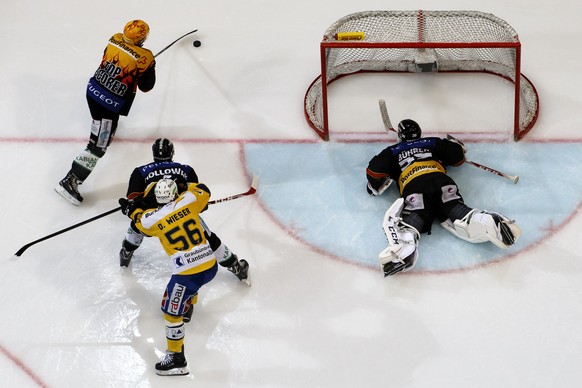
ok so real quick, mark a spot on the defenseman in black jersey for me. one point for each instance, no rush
(418, 165)
(143, 178)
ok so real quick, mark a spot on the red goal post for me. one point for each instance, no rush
(421, 41)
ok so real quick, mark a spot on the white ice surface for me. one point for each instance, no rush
(313, 317)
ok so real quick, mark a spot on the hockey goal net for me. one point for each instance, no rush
(421, 41)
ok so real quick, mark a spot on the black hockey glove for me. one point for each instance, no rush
(127, 206)
(202, 186)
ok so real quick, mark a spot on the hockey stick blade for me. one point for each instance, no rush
(385, 117)
(171, 44)
(512, 178)
(25, 247)
(250, 191)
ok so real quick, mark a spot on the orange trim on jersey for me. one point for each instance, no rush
(376, 175)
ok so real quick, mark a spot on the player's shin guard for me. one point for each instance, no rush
(402, 250)
(174, 362)
(131, 242)
(84, 164)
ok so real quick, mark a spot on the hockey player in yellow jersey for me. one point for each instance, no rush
(125, 67)
(182, 234)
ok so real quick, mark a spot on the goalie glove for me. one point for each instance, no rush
(455, 140)
(385, 184)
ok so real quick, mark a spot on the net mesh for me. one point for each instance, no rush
(415, 41)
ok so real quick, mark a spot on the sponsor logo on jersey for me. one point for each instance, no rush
(128, 49)
(175, 299)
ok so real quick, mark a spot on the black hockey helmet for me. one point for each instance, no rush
(409, 130)
(163, 150)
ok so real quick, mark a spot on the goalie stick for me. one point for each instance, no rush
(513, 178)
(388, 126)
(171, 44)
(250, 191)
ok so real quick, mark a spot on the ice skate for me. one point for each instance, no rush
(240, 269)
(68, 188)
(395, 263)
(173, 364)
(125, 257)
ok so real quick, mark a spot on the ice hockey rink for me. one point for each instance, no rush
(319, 312)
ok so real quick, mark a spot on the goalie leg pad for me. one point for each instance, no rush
(402, 251)
(481, 226)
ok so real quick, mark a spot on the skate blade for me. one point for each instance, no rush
(247, 281)
(391, 270)
(173, 372)
(63, 193)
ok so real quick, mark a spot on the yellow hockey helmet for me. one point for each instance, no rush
(136, 32)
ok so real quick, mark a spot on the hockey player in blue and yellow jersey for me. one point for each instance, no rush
(176, 222)
(125, 67)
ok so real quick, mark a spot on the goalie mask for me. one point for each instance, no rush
(136, 32)
(409, 130)
(163, 150)
(166, 191)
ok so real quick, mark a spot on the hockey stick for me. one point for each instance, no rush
(513, 178)
(388, 126)
(252, 190)
(171, 44)
(25, 247)
(385, 118)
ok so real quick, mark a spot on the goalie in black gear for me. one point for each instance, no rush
(146, 176)
(418, 165)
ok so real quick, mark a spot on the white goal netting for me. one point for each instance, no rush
(421, 41)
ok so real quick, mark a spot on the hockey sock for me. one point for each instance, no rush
(174, 333)
(84, 164)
